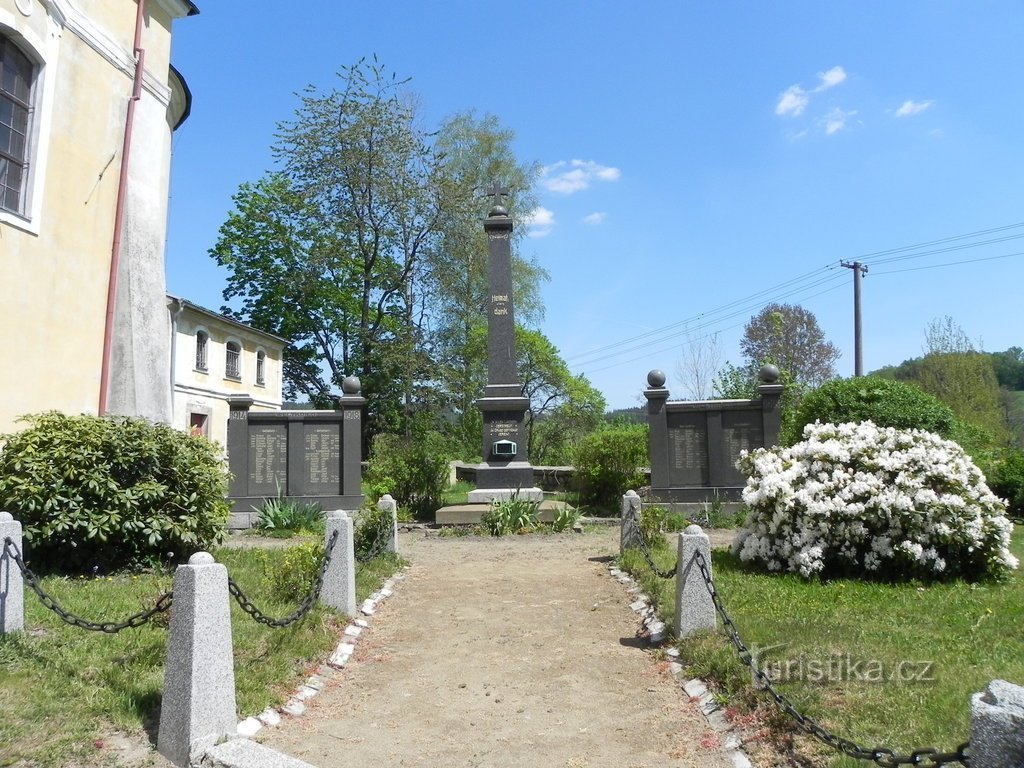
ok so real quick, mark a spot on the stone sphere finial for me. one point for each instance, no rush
(351, 385)
(769, 374)
(656, 379)
(498, 210)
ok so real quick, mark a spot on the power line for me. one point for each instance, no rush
(948, 264)
(795, 285)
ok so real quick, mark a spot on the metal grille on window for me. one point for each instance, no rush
(201, 340)
(15, 109)
(231, 361)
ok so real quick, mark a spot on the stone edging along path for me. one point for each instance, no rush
(655, 631)
(314, 684)
(522, 688)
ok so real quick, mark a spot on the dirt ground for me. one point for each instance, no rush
(506, 653)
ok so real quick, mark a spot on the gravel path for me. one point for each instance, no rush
(503, 653)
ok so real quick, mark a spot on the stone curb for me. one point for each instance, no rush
(295, 706)
(655, 631)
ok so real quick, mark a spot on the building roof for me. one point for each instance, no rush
(225, 319)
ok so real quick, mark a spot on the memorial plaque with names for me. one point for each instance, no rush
(688, 448)
(322, 459)
(268, 459)
(741, 431)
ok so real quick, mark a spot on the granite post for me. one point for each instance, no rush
(198, 708)
(694, 608)
(997, 726)
(388, 504)
(506, 471)
(12, 584)
(629, 531)
(339, 589)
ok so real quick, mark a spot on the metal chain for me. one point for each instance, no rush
(642, 540)
(163, 603)
(931, 758)
(380, 545)
(304, 607)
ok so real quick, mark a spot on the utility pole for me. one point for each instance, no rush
(858, 355)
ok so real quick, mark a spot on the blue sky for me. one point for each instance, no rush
(698, 156)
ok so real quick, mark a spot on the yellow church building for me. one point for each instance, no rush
(88, 103)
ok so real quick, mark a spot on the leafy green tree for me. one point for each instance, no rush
(789, 336)
(563, 407)
(961, 376)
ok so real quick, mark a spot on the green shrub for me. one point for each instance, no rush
(109, 492)
(1007, 481)
(885, 402)
(289, 578)
(652, 524)
(565, 519)
(609, 462)
(372, 533)
(413, 470)
(507, 516)
(284, 514)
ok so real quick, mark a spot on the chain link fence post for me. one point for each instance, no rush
(386, 504)
(997, 726)
(198, 707)
(12, 583)
(629, 534)
(695, 609)
(339, 589)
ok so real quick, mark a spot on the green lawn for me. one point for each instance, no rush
(82, 685)
(846, 645)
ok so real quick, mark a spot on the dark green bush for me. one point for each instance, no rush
(414, 470)
(1007, 481)
(885, 402)
(111, 492)
(372, 533)
(608, 463)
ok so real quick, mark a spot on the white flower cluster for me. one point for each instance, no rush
(856, 497)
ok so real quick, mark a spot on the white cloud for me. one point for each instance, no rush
(593, 219)
(911, 107)
(540, 221)
(567, 177)
(830, 79)
(835, 121)
(792, 101)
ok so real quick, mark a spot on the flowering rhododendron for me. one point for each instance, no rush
(855, 498)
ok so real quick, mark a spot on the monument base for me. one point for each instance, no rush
(487, 495)
(470, 514)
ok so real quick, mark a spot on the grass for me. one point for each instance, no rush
(83, 685)
(457, 494)
(968, 634)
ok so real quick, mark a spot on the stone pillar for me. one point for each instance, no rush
(657, 421)
(12, 584)
(997, 726)
(339, 590)
(694, 608)
(386, 503)
(629, 533)
(198, 708)
(770, 393)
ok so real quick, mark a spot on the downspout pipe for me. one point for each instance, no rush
(177, 306)
(122, 193)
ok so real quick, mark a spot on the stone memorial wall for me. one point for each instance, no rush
(694, 444)
(305, 456)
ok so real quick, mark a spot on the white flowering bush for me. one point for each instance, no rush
(860, 499)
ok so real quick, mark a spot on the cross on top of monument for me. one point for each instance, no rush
(497, 191)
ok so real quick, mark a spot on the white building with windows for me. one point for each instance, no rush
(88, 103)
(214, 357)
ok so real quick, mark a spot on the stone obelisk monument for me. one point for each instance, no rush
(506, 471)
